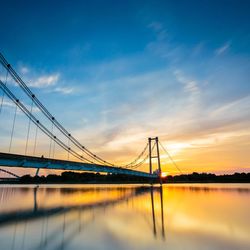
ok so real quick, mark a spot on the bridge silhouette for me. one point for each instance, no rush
(78, 157)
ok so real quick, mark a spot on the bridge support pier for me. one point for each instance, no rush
(37, 171)
(152, 155)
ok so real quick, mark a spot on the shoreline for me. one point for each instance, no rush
(113, 183)
(72, 178)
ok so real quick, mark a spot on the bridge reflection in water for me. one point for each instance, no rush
(51, 218)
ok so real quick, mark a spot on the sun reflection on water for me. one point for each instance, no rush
(125, 217)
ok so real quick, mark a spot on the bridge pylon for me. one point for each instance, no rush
(153, 154)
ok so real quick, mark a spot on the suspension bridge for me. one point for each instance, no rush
(19, 100)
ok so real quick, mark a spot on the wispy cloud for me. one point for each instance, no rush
(189, 85)
(24, 69)
(159, 29)
(45, 81)
(237, 109)
(64, 90)
(223, 49)
(162, 46)
(156, 26)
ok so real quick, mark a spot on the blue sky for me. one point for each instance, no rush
(117, 72)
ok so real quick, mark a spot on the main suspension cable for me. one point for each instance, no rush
(39, 124)
(6, 78)
(55, 123)
(143, 160)
(47, 113)
(137, 158)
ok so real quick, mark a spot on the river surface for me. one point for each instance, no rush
(187, 216)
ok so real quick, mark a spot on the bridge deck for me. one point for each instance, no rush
(23, 161)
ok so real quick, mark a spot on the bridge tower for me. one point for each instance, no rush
(153, 155)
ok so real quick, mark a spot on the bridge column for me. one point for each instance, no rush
(37, 171)
(158, 154)
(152, 155)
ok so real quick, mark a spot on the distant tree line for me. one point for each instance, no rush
(209, 178)
(85, 177)
(88, 178)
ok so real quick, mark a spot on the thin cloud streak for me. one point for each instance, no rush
(190, 85)
(45, 81)
(64, 90)
(223, 49)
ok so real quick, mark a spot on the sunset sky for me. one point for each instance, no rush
(117, 72)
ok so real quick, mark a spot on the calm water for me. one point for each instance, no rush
(213, 216)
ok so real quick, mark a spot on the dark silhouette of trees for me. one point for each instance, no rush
(209, 178)
(90, 177)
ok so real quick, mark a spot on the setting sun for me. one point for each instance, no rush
(164, 174)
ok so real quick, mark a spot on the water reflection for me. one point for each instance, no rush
(73, 225)
(160, 189)
(124, 217)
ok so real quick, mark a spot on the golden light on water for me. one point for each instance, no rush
(207, 212)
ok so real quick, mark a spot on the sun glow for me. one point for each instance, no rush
(175, 148)
(164, 174)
